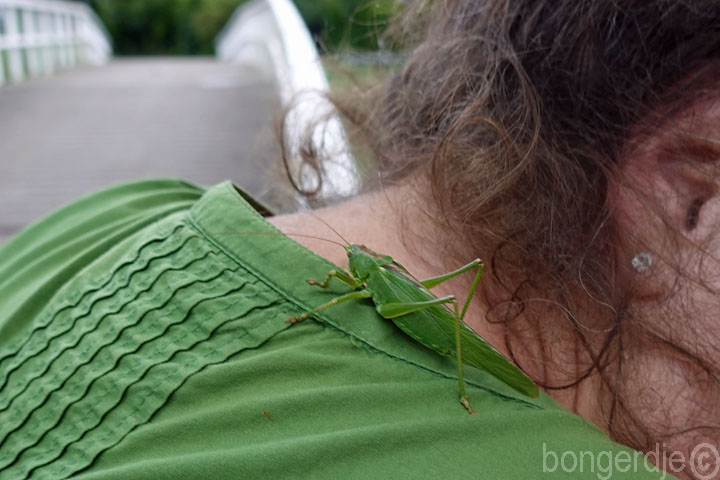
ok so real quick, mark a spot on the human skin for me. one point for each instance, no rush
(663, 201)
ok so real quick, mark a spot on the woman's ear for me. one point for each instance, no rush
(666, 202)
(687, 165)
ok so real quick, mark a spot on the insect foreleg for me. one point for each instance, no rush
(335, 301)
(431, 282)
(341, 275)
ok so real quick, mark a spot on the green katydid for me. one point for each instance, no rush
(398, 296)
(408, 303)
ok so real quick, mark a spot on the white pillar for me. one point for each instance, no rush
(72, 22)
(70, 19)
(46, 36)
(68, 40)
(81, 46)
(12, 34)
(54, 25)
(62, 36)
(2, 51)
(30, 41)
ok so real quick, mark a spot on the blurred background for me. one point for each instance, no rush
(96, 92)
(189, 27)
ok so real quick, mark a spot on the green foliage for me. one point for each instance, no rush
(347, 24)
(164, 27)
(209, 18)
(188, 27)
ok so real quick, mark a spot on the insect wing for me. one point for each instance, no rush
(434, 327)
(480, 354)
(392, 283)
(400, 273)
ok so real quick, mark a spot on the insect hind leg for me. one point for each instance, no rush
(461, 382)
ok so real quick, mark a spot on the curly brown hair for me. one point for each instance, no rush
(515, 113)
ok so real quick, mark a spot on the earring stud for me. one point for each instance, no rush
(642, 262)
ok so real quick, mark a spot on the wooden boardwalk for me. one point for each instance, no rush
(193, 118)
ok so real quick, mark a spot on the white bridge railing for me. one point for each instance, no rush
(271, 35)
(38, 37)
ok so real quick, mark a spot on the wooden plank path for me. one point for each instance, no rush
(193, 118)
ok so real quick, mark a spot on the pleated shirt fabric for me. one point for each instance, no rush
(144, 335)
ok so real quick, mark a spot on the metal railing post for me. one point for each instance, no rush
(65, 40)
(30, 41)
(48, 54)
(72, 39)
(15, 61)
(2, 41)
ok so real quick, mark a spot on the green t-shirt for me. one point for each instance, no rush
(143, 335)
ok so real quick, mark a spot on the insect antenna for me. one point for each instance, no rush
(281, 233)
(315, 238)
(331, 228)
